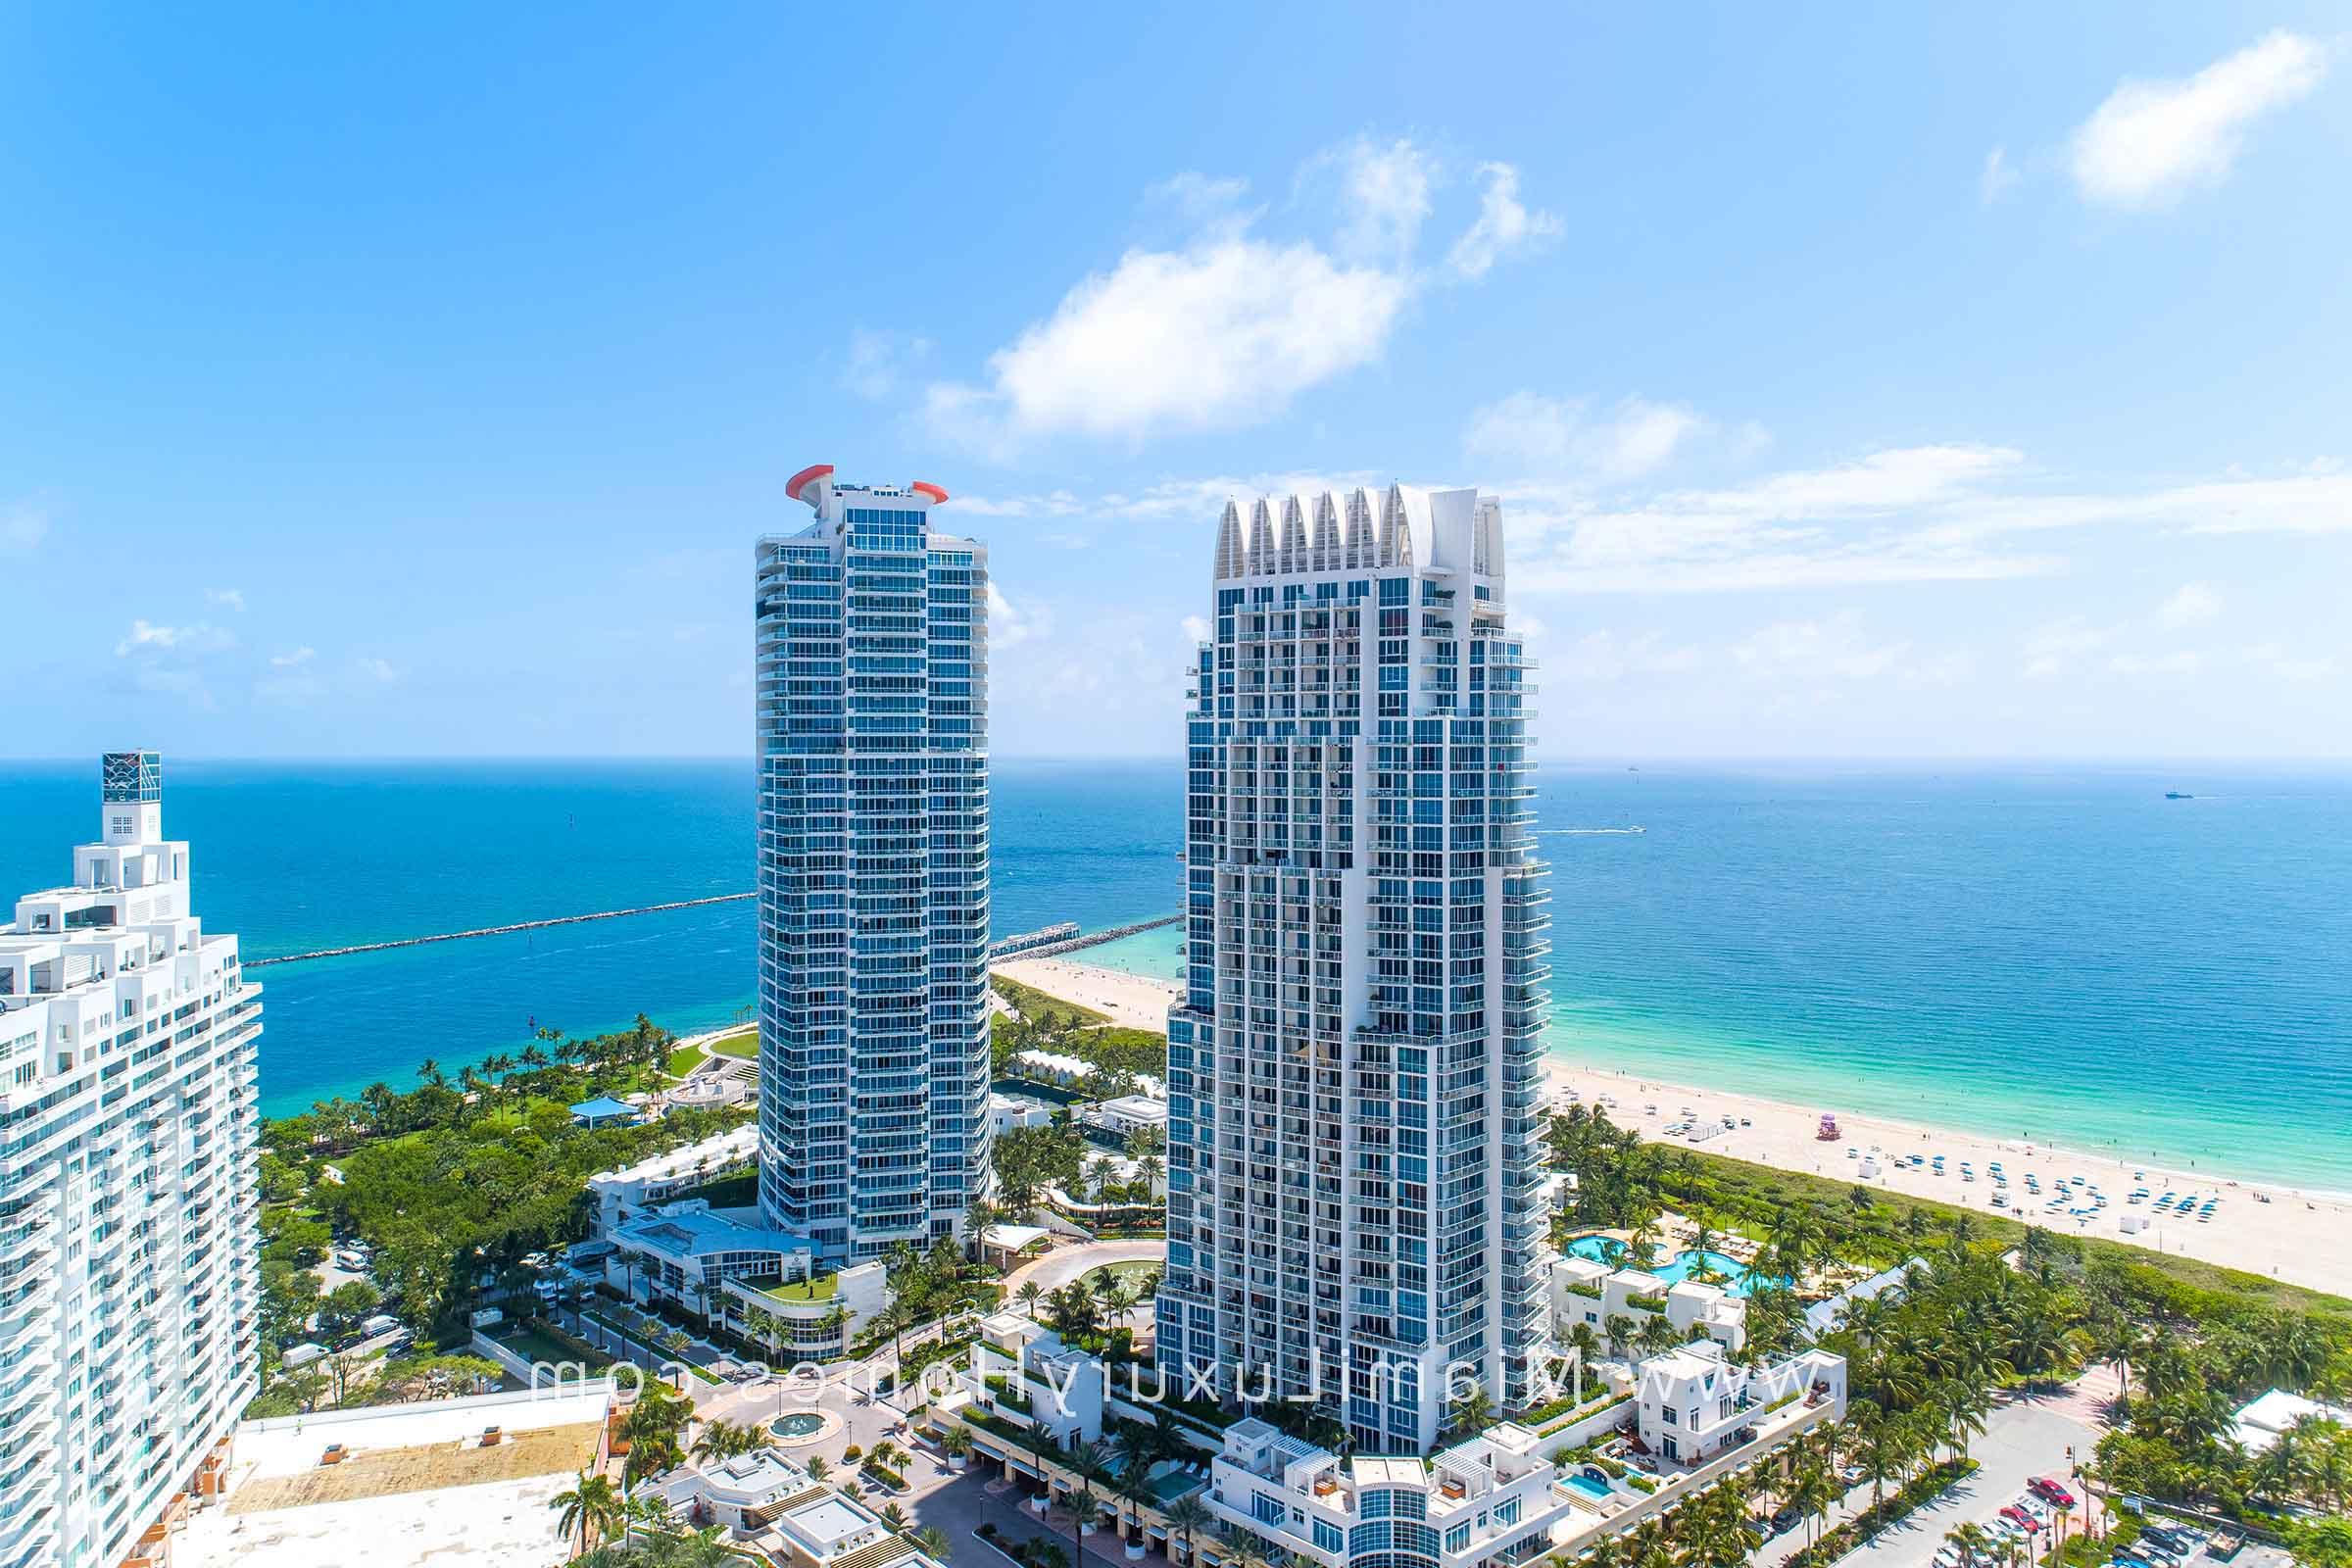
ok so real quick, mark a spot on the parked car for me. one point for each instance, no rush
(1787, 1519)
(2054, 1492)
(2169, 1536)
(2020, 1518)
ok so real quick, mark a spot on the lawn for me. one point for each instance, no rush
(815, 1290)
(683, 1060)
(1125, 1273)
(743, 1045)
(533, 1346)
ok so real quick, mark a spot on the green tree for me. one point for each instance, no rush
(591, 1507)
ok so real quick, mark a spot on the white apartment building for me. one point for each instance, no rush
(1695, 1402)
(1353, 1147)
(777, 1513)
(129, 1194)
(871, 735)
(1593, 1294)
(1491, 1498)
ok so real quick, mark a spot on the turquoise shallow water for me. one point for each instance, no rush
(2063, 955)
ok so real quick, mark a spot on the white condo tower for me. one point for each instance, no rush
(1353, 1142)
(872, 743)
(129, 1195)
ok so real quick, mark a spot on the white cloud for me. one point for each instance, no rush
(880, 363)
(1835, 647)
(1998, 178)
(2193, 605)
(1385, 191)
(2153, 140)
(1009, 625)
(1505, 224)
(1199, 202)
(1543, 433)
(2052, 650)
(380, 671)
(227, 597)
(1226, 326)
(146, 637)
(22, 530)
(1058, 503)
(1224, 332)
(1947, 512)
(293, 658)
(1844, 525)
(1197, 629)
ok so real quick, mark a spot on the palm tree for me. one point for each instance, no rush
(817, 1468)
(1974, 1543)
(1091, 1463)
(934, 1543)
(591, 1507)
(893, 1515)
(1186, 1518)
(1963, 1407)
(1134, 1489)
(1028, 1296)
(1474, 1411)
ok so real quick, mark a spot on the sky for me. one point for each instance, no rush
(1861, 382)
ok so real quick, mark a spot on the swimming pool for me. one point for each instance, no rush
(1674, 1270)
(1596, 1490)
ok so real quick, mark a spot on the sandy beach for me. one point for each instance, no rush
(2304, 1240)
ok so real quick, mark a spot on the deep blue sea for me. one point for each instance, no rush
(2062, 953)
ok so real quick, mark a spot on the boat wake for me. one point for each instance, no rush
(1588, 832)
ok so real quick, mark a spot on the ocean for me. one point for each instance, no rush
(2059, 954)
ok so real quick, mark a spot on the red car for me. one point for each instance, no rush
(2051, 1491)
(2020, 1518)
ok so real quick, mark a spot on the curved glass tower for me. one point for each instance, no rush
(872, 742)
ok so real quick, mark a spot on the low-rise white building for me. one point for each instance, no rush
(1592, 1294)
(623, 1195)
(1695, 1402)
(1007, 1111)
(1126, 1114)
(1493, 1498)
(2262, 1423)
(1022, 1372)
(1052, 1066)
(770, 1503)
(729, 1265)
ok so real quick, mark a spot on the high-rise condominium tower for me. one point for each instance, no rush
(1352, 1073)
(872, 740)
(129, 1195)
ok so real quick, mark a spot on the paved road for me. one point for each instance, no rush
(2021, 1440)
(1065, 1264)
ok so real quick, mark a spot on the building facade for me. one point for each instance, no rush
(1353, 1138)
(129, 1194)
(872, 741)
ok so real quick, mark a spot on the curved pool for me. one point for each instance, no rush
(802, 1423)
(1738, 1279)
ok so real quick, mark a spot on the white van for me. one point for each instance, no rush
(298, 1357)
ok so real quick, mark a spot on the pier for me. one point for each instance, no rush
(498, 930)
(1045, 950)
(1054, 949)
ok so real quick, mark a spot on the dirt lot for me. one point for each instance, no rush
(384, 1472)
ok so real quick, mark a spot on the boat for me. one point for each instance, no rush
(2179, 795)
